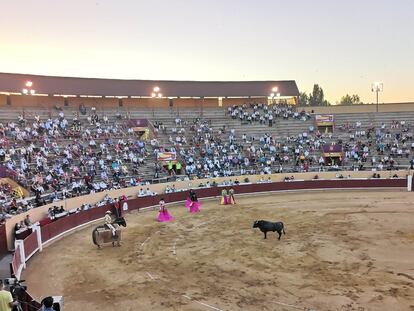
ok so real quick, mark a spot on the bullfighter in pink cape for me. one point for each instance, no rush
(163, 214)
(192, 202)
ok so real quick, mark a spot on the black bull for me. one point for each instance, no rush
(266, 226)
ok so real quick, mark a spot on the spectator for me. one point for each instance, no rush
(27, 221)
(124, 204)
(141, 193)
(17, 227)
(47, 304)
(6, 299)
(178, 167)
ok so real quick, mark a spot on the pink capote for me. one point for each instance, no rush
(188, 203)
(193, 207)
(164, 215)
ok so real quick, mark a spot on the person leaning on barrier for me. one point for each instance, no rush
(27, 221)
(17, 227)
(6, 298)
(108, 223)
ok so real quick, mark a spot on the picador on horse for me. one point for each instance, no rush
(110, 232)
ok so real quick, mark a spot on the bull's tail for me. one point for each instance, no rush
(283, 228)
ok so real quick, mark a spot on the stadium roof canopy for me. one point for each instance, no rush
(14, 83)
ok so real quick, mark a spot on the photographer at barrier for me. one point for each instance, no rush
(6, 299)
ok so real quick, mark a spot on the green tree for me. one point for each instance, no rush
(349, 100)
(303, 99)
(356, 100)
(317, 98)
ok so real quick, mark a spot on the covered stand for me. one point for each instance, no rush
(141, 128)
(333, 154)
(325, 123)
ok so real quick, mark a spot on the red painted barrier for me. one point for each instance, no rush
(30, 244)
(23, 235)
(59, 226)
(16, 261)
(3, 240)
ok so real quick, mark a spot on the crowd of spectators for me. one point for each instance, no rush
(265, 114)
(62, 157)
(378, 147)
(210, 151)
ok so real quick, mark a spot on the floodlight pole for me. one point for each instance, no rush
(377, 87)
(156, 93)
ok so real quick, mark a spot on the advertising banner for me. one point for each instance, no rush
(324, 119)
(166, 156)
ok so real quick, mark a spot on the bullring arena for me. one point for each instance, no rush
(343, 250)
(338, 177)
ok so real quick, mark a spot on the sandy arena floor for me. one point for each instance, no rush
(342, 251)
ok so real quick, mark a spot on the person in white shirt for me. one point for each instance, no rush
(141, 193)
(108, 222)
(125, 205)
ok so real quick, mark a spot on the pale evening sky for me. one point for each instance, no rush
(342, 45)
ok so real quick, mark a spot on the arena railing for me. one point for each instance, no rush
(25, 249)
(27, 302)
(17, 263)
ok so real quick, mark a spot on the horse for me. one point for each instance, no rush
(101, 234)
